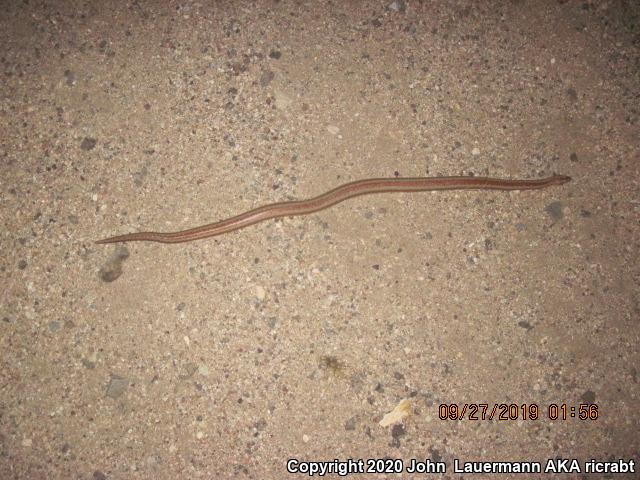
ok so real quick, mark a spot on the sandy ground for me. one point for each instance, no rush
(291, 339)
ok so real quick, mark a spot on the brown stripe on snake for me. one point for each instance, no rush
(337, 195)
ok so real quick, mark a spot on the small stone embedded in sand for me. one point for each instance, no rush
(398, 414)
(71, 78)
(266, 77)
(554, 209)
(88, 143)
(397, 6)
(333, 130)
(117, 386)
(112, 269)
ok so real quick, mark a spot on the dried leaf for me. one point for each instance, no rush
(398, 414)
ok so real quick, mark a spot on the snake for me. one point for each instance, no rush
(339, 194)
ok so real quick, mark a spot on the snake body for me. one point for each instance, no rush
(337, 195)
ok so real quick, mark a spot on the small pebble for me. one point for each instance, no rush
(88, 143)
(397, 6)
